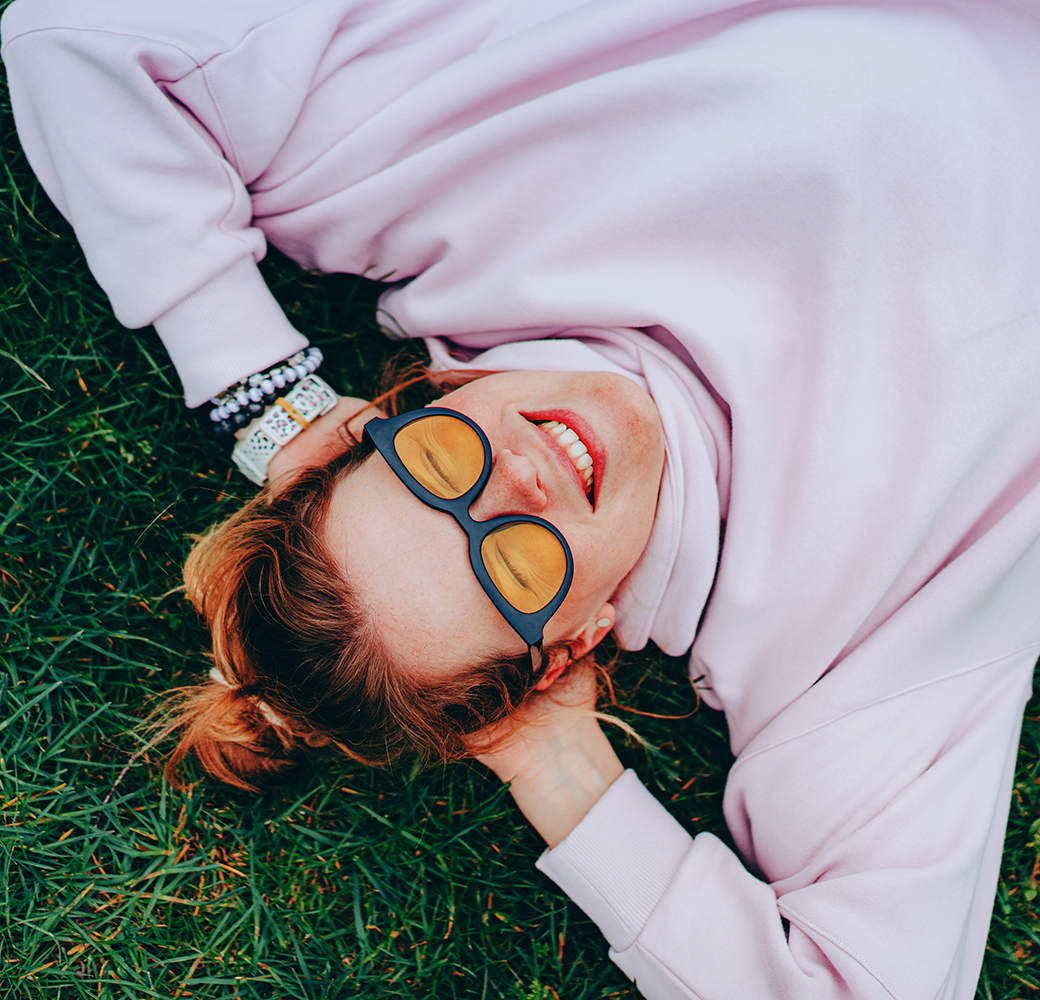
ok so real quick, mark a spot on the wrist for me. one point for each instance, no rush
(559, 782)
(280, 424)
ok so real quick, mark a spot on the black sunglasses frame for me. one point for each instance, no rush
(530, 627)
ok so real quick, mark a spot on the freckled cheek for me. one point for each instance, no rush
(474, 401)
(586, 583)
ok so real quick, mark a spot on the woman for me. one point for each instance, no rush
(802, 245)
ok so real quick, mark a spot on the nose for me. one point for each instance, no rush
(512, 488)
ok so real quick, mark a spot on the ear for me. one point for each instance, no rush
(326, 438)
(584, 642)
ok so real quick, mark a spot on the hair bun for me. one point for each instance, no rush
(235, 740)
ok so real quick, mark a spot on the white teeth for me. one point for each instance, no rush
(573, 445)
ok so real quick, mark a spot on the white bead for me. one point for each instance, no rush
(278, 380)
(242, 397)
(267, 386)
(232, 406)
(214, 415)
(290, 375)
(256, 394)
(301, 372)
(311, 365)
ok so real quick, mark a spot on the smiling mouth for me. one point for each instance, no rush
(575, 449)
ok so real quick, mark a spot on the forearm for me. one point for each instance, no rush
(555, 782)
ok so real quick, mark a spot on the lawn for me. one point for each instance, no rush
(360, 883)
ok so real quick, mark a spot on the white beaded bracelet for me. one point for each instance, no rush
(240, 403)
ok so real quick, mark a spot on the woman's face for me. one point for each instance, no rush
(409, 563)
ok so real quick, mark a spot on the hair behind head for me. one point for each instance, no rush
(231, 738)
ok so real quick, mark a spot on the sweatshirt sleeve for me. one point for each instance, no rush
(876, 839)
(164, 219)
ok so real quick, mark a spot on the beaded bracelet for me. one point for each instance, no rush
(248, 398)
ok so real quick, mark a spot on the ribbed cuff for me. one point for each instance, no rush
(617, 863)
(228, 329)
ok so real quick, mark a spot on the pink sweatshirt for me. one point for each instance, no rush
(812, 231)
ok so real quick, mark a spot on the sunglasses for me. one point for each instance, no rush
(523, 562)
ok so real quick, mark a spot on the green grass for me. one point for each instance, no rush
(362, 883)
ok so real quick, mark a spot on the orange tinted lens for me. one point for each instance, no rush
(526, 563)
(443, 453)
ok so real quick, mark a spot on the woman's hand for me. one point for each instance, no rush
(556, 756)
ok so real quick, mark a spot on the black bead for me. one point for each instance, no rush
(222, 428)
(240, 419)
(255, 409)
